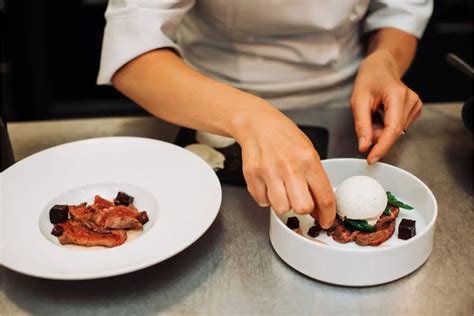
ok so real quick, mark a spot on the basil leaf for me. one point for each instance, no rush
(356, 224)
(387, 211)
(392, 200)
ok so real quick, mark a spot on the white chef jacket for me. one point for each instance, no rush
(294, 53)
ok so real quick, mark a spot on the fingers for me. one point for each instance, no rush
(258, 190)
(303, 189)
(325, 208)
(277, 196)
(299, 195)
(255, 184)
(394, 124)
(285, 171)
(376, 132)
(415, 112)
(361, 110)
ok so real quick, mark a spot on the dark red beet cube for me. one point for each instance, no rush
(293, 222)
(317, 224)
(314, 231)
(406, 229)
(123, 199)
(143, 217)
(57, 231)
(58, 214)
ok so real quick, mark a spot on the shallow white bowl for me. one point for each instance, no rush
(349, 264)
(179, 191)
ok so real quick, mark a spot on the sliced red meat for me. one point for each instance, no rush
(100, 224)
(80, 211)
(389, 218)
(117, 217)
(74, 232)
(383, 232)
(83, 214)
(103, 214)
(384, 229)
(100, 202)
(340, 233)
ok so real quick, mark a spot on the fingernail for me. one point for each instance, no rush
(361, 141)
(374, 160)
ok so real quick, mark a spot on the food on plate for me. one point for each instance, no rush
(100, 215)
(123, 199)
(406, 229)
(213, 140)
(74, 232)
(103, 223)
(293, 222)
(58, 214)
(366, 213)
(213, 158)
(314, 231)
(360, 198)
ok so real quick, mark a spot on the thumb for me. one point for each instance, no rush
(361, 110)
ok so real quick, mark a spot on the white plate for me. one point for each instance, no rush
(179, 191)
(350, 264)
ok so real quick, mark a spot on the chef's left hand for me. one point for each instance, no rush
(378, 84)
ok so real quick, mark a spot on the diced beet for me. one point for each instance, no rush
(57, 231)
(123, 199)
(293, 222)
(406, 229)
(314, 231)
(58, 214)
(317, 224)
(143, 217)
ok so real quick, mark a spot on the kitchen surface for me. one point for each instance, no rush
(232, 268)
(57, 59)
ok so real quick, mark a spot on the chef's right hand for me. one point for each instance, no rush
(282, 169)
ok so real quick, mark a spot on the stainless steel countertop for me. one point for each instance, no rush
(233, 269)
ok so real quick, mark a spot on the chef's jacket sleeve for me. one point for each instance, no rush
(134, 27)
(410, 16)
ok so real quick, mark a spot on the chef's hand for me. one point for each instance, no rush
(378, 82)
(282, 168)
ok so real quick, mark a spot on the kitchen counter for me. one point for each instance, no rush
(233, 269)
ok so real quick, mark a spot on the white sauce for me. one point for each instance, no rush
(213, 140)
(213, 158)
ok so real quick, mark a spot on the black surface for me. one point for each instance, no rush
(232, 172)
(7, 152)
(54, 53)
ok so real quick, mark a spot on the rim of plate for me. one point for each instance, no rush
(408, 242)
(132, 267)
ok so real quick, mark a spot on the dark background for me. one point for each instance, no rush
(51, 48)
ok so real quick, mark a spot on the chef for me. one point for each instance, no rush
(229, 67)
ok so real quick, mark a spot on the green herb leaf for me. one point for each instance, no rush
(387, 211)
(356, 224)
(392, 200)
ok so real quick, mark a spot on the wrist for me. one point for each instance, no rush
(382, 58)
(250, 117)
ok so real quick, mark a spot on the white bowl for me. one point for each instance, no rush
(350, 264)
